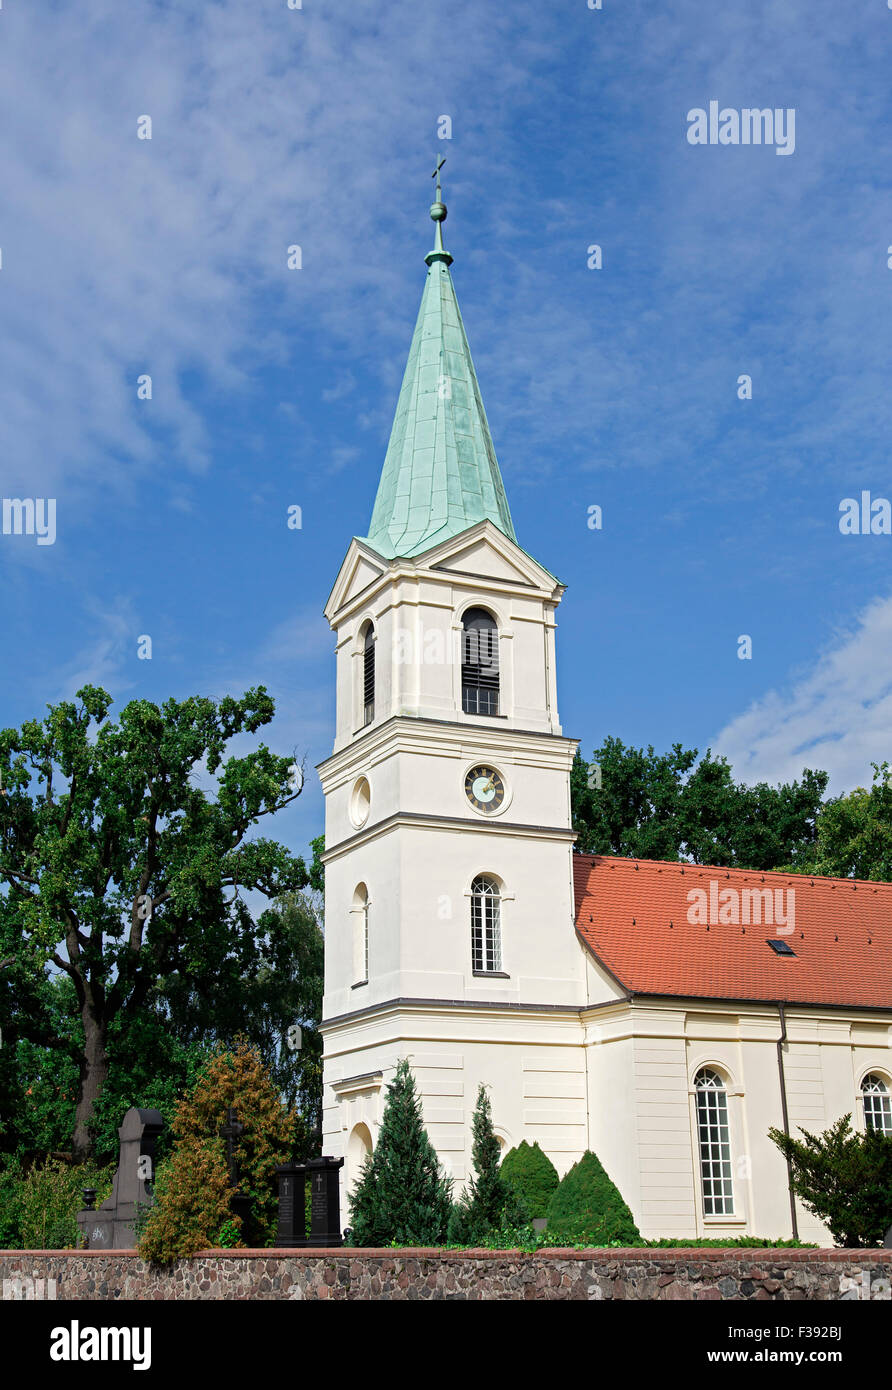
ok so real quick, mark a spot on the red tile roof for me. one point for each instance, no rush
(643, 921)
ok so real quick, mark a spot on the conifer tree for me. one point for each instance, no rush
(193, 1192)
(487, 1200)
(844, 1178)
(402, 1194)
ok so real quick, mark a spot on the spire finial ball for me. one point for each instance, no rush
(438, 212)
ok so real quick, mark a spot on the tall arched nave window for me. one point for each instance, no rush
(360, 914)
(714, 1139)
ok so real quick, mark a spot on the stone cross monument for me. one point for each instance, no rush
(112, 1227)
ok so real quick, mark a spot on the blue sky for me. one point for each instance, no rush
(615, 387)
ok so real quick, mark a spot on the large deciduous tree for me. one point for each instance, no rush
(638, 803)
(855, 832)
(121, 868)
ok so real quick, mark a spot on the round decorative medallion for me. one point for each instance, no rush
(360, 802)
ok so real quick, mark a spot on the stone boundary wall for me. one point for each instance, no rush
(748, 1274)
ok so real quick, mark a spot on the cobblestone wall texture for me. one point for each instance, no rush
(435, 1274)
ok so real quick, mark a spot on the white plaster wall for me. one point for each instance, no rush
(419, 879)
(646, 1135)
(532, 1063)
(620, 1084)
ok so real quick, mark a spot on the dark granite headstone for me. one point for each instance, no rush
(292, 1228)
(325, 1201)
(112, 1226)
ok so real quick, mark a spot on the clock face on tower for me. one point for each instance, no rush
(485, 789)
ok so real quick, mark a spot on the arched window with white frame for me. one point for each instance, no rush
(486, 925)
(714, 1141)
(877, 1103)
(360, 914)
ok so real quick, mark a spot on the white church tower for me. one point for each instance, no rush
(449, 920)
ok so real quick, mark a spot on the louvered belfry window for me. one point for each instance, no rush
(368, 676)
(479, 663)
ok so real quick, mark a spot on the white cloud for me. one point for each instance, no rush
(837, 717)
(102, 660)
(167, 256)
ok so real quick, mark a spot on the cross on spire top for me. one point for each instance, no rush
(438, 216)
(441, 160)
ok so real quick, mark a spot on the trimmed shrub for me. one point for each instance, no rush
(587, 1208)
(402, 1196)
(532, 1175)
(845, 1179)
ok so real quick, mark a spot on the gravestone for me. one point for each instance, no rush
(292, 1227)
(325, 1203)
(112, 1226)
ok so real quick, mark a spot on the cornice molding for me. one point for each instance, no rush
(428, 821)
(411, 726)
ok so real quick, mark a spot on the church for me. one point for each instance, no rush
(664, 1015)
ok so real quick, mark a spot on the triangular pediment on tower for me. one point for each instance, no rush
(485, 553)
(361, 569)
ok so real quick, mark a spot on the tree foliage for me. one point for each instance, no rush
(117, 863)
(670, 806)
(843, 1178)
(854, 838)
(587, 1208)
(532, 1175)
(39, 1202)
(401, 1195)
(271, 979)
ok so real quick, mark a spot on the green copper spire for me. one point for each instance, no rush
(440, 472)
